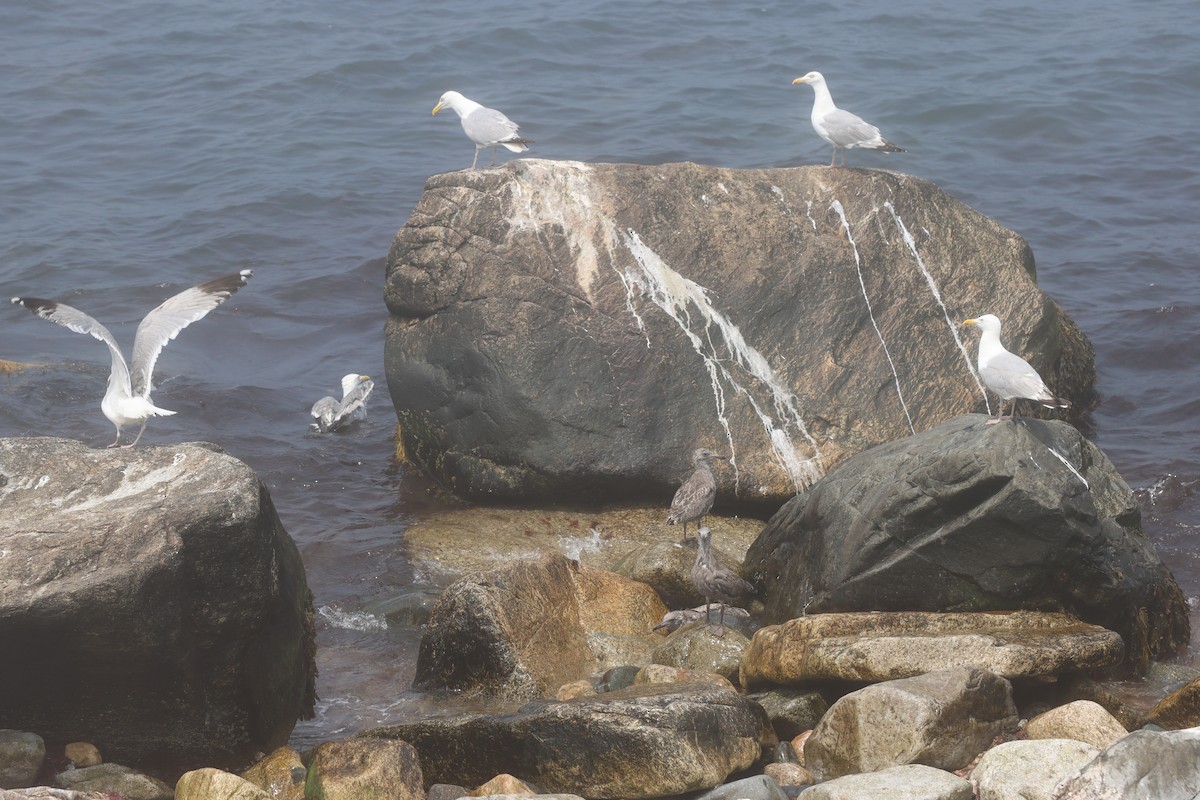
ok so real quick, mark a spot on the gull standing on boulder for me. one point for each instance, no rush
(839, 127)
(714, 581)
(484, 126)
(128, 397)
(1007, 374)
(330, 414)
(695, 497)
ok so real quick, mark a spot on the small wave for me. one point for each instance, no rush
(352, 620)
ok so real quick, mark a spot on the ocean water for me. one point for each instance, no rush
(145, 146)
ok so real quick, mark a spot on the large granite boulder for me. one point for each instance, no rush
(941, 719)
(150, 602)
(974, 517)
(569, 330)
(1145, 765)
(639, 742)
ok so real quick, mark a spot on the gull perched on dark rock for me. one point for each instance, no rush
(128, 397)
(839, 127)
(1007, 374)
(484, 126)
(331, 414)
(695, 497)
(714, 581)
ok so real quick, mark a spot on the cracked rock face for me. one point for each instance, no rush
(568, 330)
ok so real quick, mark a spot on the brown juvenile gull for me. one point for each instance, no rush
(1007, 374)
(839, 127)
(695, 497)
(128, 397)
(484, 126)
(331, 414)
(715, 581)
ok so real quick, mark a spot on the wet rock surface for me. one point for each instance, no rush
(639, 742)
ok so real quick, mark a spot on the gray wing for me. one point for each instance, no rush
(488, 126)
(324, 411)
(76, 320)
(354, 401)
(175, 313)
(1009, 375)
(848, 129)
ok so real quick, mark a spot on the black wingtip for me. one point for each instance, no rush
(36, 305)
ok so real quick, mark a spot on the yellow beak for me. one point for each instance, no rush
(437, 108)
(799, 80)
(970, 322)
(364, 377)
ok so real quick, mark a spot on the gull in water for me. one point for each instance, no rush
(839, 127)
(330, 414)
(1007, 374)
(128, 397)
(695, 497)
(714, 581)
(484, 126)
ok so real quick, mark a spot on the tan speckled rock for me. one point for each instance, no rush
(1180, 709)
(659, 673)
(789, 774)
(281, 774)
(83, 754)
(211, 784)
(1082, 720)
(503, 784)
(353, 769)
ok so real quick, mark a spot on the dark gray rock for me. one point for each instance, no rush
(974, 517)
(941, 719)
(792, 711)
(21, 756)
(567, 330)
(1144, 765)
(757, 787)
(151, 603)
(640, 742)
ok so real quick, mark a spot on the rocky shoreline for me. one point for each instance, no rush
(988, 702)
(940, 604)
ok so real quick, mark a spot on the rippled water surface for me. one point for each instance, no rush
(145, 146)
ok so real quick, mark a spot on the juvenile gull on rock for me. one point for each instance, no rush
(128, 397)
(839, 127)
(695, 496)
(713, 580)
(484, 126)
(1007, 374)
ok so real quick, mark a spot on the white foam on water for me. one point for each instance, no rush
(352, 620)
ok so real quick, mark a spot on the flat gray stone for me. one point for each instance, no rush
(1029, 769)
(909, 782)
(1145, 765)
